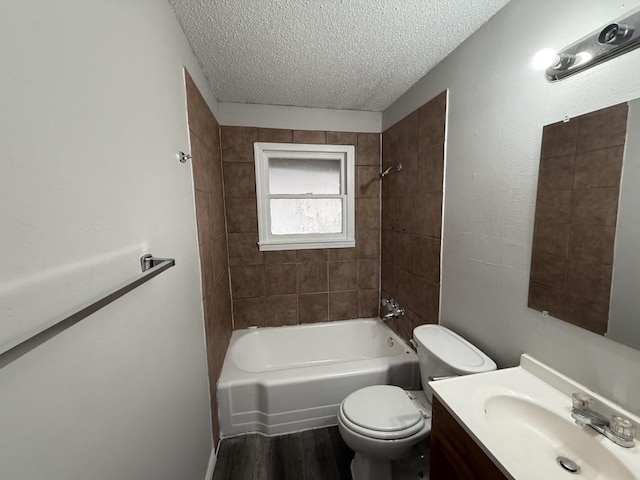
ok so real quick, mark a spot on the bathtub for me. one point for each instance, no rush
(286, 379)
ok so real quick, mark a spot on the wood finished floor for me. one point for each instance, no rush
(312, 455)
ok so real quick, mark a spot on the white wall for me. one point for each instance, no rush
(498, 106)
(624, 316)
(93, 114)
(298, 118)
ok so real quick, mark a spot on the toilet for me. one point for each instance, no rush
(381, 423)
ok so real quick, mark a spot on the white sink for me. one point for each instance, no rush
(521, 417)
(530, 431)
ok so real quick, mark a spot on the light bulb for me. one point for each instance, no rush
(545, 58)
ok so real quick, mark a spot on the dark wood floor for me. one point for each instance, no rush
(312, 455)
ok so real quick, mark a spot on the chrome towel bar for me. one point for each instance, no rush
(15, 348)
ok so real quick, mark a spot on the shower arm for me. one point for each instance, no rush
(388, 170)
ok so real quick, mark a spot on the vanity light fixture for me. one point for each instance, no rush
(615, 39)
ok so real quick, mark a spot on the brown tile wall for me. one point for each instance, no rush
(291, 287)
(412, 214)
(576, 213)
(204, 133)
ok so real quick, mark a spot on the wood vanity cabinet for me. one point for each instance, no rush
(454, 454)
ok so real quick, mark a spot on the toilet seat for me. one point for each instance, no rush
(382, 412)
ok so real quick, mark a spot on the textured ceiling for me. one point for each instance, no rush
(344, 54)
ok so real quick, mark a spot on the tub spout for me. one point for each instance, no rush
(394, 314)
(395, 310)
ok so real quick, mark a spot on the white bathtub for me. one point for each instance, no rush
(287, 379)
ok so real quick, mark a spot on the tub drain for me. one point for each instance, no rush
(568, 464)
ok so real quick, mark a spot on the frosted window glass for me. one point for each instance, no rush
(304, 176)
(306, 215)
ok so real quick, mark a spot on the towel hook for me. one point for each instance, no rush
(183, 157)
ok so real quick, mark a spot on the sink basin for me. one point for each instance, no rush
(539, 436)
(521, 418)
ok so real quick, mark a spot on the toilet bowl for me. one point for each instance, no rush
(382, 423)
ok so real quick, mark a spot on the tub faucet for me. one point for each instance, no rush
(394, 309)
(617, 429)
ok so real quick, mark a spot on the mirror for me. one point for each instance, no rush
(585, 260)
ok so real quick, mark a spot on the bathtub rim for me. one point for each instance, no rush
(238, 335)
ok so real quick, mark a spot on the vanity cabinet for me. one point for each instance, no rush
(454, 454)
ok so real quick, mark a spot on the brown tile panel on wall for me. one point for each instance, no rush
(291, 287)
(576, 212)
(210, 214)
(412, 214)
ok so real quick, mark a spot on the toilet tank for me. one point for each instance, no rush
(442, 352)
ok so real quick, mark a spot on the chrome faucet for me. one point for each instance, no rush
(617, 429)
(394, 309)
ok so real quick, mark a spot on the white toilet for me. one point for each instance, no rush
(383, 423)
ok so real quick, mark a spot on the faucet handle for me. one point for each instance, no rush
(390, 303)
(581, 401)
(622, 428)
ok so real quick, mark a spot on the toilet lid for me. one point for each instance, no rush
(384, 409)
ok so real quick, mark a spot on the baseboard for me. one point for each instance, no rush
(212, 464)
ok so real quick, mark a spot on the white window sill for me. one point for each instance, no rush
(273, 246)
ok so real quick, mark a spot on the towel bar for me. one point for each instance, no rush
(15, 348)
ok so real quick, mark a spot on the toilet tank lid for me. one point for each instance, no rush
(452, 350)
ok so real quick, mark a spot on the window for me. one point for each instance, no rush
(305, 196)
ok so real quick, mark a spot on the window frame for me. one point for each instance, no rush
(267, 241)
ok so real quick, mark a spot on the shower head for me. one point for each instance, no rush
(388, 170)
(384, 173)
